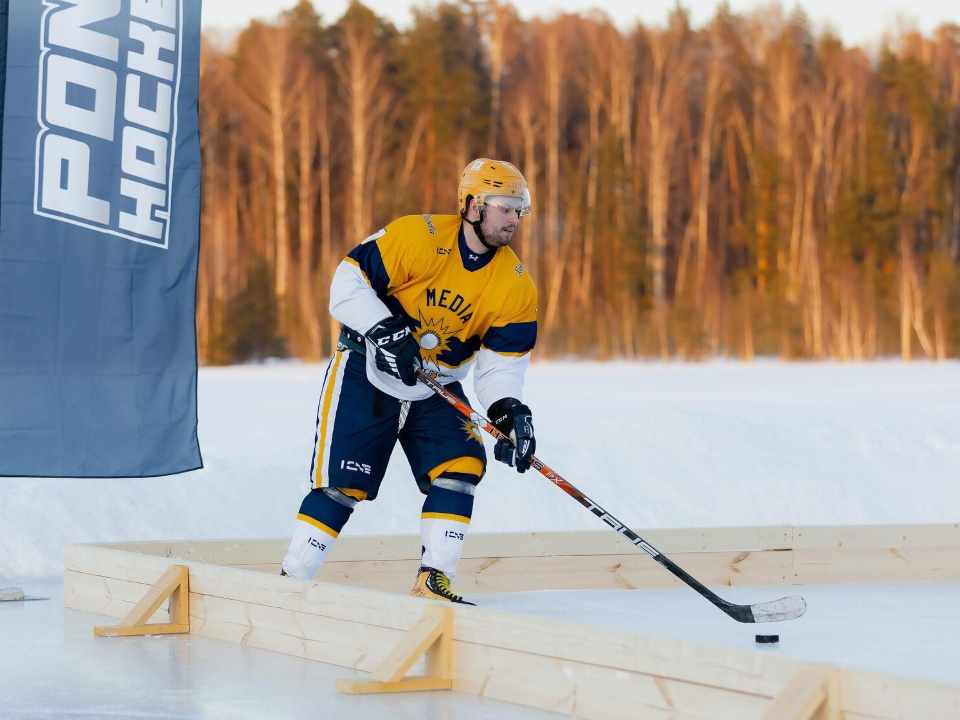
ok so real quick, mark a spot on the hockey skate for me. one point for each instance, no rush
(435, 585)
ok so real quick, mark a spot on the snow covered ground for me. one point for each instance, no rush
(658, 445)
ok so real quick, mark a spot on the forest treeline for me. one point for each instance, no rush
(745, 188)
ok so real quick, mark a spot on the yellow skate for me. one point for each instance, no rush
(435, 585)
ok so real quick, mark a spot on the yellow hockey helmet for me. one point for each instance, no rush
(491, 180)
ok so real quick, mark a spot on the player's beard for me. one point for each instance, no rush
(497, 235)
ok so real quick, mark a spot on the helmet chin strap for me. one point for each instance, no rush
(475, 224)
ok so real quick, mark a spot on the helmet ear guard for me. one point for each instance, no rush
(466, 208)
(477, 225)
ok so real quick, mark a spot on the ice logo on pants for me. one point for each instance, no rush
(107, 109)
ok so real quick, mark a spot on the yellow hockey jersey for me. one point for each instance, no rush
(462, 307)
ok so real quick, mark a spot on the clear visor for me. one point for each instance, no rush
(518, 203)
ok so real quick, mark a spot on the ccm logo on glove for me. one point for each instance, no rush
(513, 419)
(397, 350)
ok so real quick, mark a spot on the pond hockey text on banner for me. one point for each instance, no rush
(99, 238)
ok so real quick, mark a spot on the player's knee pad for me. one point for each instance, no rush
(328, 509)
(351, 493)
(462, 466)
(451, 497)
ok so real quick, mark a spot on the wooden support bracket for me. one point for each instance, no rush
(811, 694)
(433, 636)
(173, 584)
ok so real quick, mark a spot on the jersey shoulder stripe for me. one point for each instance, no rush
(512, 339)
(405, 249)
(367, 257)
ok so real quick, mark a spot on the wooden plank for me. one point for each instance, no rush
(103, 596)
(215, 552)
(315, 637)
(120, 590)
(599, 542)
(633, 570)
(802, 696)
(883, 696)
(877, 536)
(589, 691)
(477, 545)
(599, 572)
(876, 565)
(607, 542)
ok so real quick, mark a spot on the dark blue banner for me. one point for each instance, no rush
(99, 238)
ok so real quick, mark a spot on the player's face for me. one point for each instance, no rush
(499, 223)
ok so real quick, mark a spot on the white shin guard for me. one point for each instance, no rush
(442, 544)
(307, 551)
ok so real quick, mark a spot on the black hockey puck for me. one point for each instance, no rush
(767, 639)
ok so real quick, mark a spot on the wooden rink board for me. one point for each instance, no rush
(358, 610)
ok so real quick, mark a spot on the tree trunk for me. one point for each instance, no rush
(328, 261)
(306, 203)
(554, 70)
(593, 181)
(279, 170)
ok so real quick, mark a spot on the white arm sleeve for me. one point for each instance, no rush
(353, 302)
(498, 376)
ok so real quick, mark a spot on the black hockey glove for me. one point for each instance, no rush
(513, 419)
(398, 352)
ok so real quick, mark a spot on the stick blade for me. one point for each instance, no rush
(788, 608)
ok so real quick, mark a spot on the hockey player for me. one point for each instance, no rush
(439, 293)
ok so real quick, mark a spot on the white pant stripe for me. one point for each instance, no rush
(330, 400)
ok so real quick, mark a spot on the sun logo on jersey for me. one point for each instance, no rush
(472, 431)
(433, 338)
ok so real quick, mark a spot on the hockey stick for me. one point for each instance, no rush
(787, 608)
